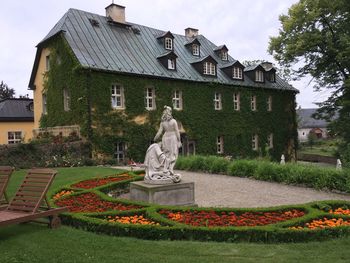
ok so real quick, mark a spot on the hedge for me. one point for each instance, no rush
(172, 230)
(290, 173)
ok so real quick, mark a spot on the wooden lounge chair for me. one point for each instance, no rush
(30, 202)
(5, 173)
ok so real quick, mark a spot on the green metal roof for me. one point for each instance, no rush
(134, 50)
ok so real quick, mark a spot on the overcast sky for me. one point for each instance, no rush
(243, 26)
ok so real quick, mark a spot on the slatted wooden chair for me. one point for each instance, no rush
(30, 202)
(5, 174)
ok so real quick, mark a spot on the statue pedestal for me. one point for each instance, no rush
(181, 193)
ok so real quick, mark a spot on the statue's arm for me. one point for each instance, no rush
(159, 133)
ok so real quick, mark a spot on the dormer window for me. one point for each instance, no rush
(195, 50)
(168, 43)
(259, 76)
(171, 63)
(224, 55)
(237, 73)
(209, 68)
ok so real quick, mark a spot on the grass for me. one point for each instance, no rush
(37, 243)
(321, 147)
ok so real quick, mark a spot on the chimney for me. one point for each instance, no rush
(116, 13)
(266, 65)
(191, 32)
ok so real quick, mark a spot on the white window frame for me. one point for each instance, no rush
(270, 140)
(117, 97)
(209, 68)
(255, 142)
(253, 102)
(168, 43)
(66, 99)
(47, 62)
(150, 98)
(177, 100)
(272, 77)
(237, 73)
(220, 145)
(269, 103)
(259, 76)
(224, 55)
(237, 101)
(16, 137)
(217, 101)
(171, 63)
(195, 50)
(44, 101)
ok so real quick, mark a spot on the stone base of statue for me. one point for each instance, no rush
(181, 193)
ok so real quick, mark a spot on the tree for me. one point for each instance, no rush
(315, 40)
(5, 91)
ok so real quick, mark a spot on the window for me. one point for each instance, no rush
(14, 137)
(236, 101)
(237, 73)
(259, 76)
(253, 103)
(177, 100)
(47, 62)
(272, 77)
(66, 100)
(150, 99)
(224, 55)
(44, 98)
(269, 103)
(195, 50)
(217, 101)
(209, 68)
(171, 63)
(120, 152)
(255, 142)
(117, 97)
(220, 144)
(270, 141)
(168, 43)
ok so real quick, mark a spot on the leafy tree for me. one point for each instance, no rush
(315, 40)
(5, 91)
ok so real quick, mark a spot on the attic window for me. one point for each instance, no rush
(259, 76)
(195, 50)
(237, 73)
(168, 43)
(224, 55)
(94, 22)
(171, 63)
(209, 68)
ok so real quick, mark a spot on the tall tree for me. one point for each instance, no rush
(5, 91)
(315, 40)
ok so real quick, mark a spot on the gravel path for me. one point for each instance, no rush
(214, 190)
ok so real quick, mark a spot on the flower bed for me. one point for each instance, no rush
(90, 202)
(92, 183)
(222, 219)
(279, 224)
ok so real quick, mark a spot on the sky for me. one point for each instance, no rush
(243, 26)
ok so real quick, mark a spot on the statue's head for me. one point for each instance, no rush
(167, 113)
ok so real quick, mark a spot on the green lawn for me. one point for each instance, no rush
(37, 243)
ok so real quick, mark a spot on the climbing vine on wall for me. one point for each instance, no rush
(136, 126)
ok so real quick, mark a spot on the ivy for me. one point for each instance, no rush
(200, 120)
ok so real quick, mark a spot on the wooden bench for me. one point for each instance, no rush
(5, 174)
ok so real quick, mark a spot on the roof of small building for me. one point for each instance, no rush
(134, 49)
(307, 121)
(13, 109)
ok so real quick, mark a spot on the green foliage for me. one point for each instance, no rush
(311, 139)
(5, 91)
(315, 36)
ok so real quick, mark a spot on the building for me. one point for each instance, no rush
(112, 78)
(16, 120)
(309, 125)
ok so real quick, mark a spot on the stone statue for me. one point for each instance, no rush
(161, 157)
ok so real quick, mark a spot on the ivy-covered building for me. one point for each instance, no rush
(113, 78)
